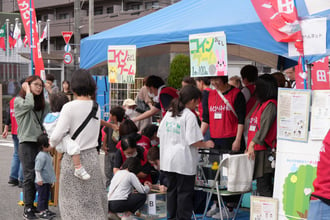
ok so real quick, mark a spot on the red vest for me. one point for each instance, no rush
(254, 126)
(322, 182)
(200, 106)
(252, 100)
(170, 91)
(223, 123)
(12, 117)
(143, 161)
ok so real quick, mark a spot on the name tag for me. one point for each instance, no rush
(217, 115)
(252, 128)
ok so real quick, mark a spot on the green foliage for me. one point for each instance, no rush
(180, 67)
(297, 190)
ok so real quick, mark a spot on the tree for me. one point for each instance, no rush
(180, 67)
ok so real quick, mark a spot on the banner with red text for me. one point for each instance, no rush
(122, 64)
(24, 7)
(320, 74)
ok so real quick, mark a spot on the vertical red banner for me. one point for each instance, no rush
(320, 74)
(24, 7)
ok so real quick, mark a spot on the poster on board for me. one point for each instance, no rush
(263, 208)
(320, 119)
(122, 64)
(293, 114)
(208, 54)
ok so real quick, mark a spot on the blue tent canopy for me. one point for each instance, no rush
(237, 18)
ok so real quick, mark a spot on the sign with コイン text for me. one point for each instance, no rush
(122, 63)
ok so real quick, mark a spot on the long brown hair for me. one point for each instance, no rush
(39, 100)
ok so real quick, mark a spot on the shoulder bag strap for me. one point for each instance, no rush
(41, 126)
(227, 103)
(92, 114)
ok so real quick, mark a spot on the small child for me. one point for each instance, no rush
(110, 141)
(45, 177)
(121, 196)
(67, 145)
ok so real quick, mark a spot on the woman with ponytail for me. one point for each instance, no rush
(180, 137)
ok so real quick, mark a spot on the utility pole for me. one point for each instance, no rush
(76, 33)
(91, 18)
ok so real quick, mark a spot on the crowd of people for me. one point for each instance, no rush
(216, 113)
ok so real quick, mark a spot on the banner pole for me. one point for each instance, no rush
(31, 39)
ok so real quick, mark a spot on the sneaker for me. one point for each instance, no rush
(13, 181)
(35, 210)
(45, 215)
(50, 212)
(213, 210)
(225, 214)
(113, 216)
(29, 214)
(81, 173)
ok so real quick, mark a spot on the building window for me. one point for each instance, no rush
(150, 5)
(133, 7)
(63, 16)
(98, 10)
(110, 10)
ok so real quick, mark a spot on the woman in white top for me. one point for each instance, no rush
(180, 137)
(81, 199)
(121, 196)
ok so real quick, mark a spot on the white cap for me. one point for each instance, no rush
(129, 102)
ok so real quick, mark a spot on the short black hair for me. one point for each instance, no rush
(206, 80)
(250, 73)
(189, 80)
(43, 140)
(133, 165)
(129, 141)
(127, 127)
(149, 130)
(266, 88)
(153, 153)
(82, 83)
(57, 100)
(154, 81)
(50, 77)
(119, 112)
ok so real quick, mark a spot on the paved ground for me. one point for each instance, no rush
(10, 195)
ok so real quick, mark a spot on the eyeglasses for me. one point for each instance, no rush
(37, 85)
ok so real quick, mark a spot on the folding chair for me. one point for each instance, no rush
(238, 181)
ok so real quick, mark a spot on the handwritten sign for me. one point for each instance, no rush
(208, 54)
(122, 64)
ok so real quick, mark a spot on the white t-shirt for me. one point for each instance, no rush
(122, 185)
(71, 117)
(176, 135)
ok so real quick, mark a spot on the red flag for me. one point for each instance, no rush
(24, 7)
(3, 37)
(12, 41)
(25, 41)
(280, 18)
(320, 74)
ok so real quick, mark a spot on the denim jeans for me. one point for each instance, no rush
(16, 171)
(318, 210)
(43, 196)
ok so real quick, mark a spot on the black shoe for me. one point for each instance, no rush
(20, 184)
(51, 213)
(35, 210)
(13, 181)
(29, 214)
(45, 215)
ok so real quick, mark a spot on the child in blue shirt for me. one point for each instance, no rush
(45, 177)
